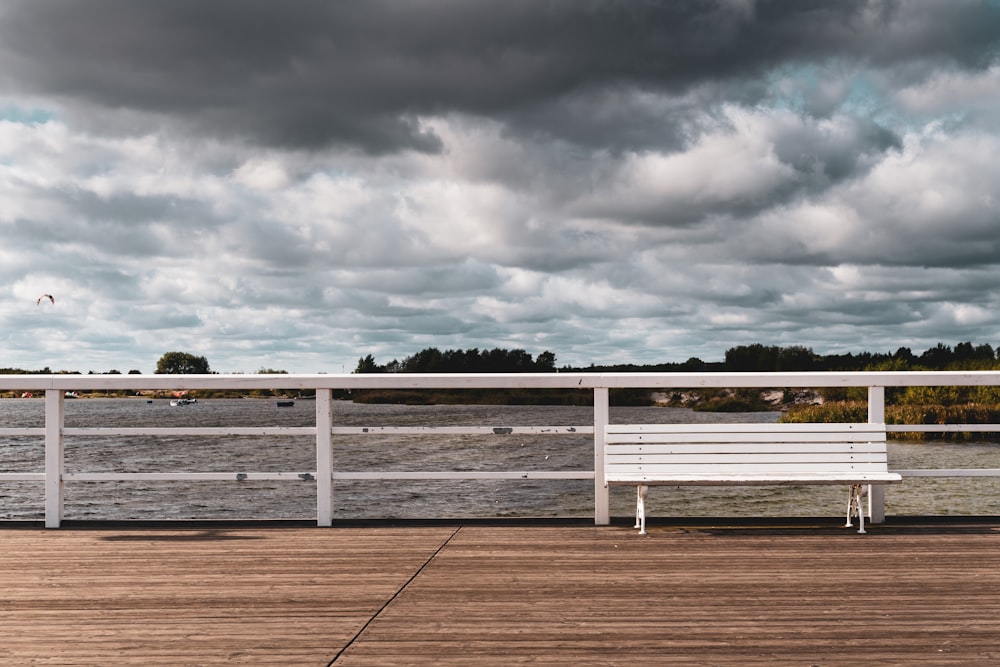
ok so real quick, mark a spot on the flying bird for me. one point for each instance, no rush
(46, 296)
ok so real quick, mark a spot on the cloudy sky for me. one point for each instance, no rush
(294, 185)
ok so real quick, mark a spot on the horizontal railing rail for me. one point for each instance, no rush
(54, 431)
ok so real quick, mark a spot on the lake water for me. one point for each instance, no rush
(416, 499)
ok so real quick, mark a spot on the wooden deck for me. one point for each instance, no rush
(804, 594)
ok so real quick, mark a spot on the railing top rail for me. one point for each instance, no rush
(66, 382)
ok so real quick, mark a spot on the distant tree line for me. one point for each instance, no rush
(48, 371)
(756, 358)
(497, 360)
(965, 356)
(433, 360)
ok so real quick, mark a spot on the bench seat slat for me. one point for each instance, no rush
(742, 448)
(747, 428)
(791, 437)
(751, 480)
(722, 458)
(788, 468)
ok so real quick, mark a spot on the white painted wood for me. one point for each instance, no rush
(297, 382)
(310, 476)
(624, 446)
(942, 428)
(602, 496)
(750, 442)
(464, 474)
(949, 472)
(54, 430)
(715, 458)
(324, 457)
(773, 454)
(876, 404)
(54, 457)
(215, 431)
(751, 479)
(462, 430)
(844, 430)
(678, 472)
(876, 492)
(305, 476)
(709, 441)
(22, 432)
(207, 431)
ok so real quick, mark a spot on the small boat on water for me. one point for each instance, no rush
(72, 394)
(285, 404)
(183, 401)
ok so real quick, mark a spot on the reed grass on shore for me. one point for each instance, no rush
(857, 411)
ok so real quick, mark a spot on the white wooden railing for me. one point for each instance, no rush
(325, 429)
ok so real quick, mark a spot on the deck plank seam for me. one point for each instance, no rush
(399, 591)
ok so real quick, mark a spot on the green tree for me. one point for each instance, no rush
(752, 358)
(545, 362)
(181, 363)
(795, 358)
(367, 365)
(937, 358)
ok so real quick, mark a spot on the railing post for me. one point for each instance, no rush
(602, 497)
(324, 457)
(876, 492)
(55, 407)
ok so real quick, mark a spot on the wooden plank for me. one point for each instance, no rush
(695, 594)
(188, 596)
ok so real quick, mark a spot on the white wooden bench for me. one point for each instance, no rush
(746, 454)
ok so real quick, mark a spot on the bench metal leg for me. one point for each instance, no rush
(638, 505)
(855, 506)
(641, 491)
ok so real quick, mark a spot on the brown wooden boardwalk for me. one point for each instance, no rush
(474, 593)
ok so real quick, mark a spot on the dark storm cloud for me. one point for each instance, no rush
(306, 182)
(311, 73)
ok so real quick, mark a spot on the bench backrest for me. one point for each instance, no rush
(677, 450)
